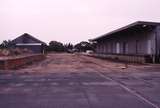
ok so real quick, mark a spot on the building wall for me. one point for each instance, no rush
(33, 48)
(139, 43)
(17, 62)
(158, 40)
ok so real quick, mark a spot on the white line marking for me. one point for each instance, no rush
(130, 91)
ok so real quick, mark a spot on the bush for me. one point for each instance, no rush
(56, 46)
(84, 46)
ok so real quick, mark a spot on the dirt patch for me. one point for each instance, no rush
(65, 62)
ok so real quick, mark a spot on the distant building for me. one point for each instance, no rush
(138, 42)
(29, 42)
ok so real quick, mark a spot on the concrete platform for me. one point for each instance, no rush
(78, 90)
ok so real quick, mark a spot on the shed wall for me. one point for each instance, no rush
(33, 48)
(131, 43)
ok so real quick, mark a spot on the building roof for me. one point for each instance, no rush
(141, 24)
(27, 38)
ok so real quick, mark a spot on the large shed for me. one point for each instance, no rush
(139, 41)
(29, 42)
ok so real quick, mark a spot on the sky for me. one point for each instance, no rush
(72, 20)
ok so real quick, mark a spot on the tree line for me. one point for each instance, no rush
(57, 46)
(79, 47)
(6, 44)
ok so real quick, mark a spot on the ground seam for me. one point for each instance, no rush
(130, 91)
(84, 92)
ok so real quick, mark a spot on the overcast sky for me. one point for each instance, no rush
(71, 20)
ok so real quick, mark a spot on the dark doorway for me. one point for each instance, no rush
(124, 47)
(137, 46)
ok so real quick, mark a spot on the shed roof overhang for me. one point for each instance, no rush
(28, 44)
(137, 26)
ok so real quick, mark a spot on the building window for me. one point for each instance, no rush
(109, 47)
(117, 47)
(124, 47)
(149, 47)
(101, 49)
(137, 44)
(104, 48)
(127, 50)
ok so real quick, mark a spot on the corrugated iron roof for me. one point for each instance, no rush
(145, 23)
(25, 36)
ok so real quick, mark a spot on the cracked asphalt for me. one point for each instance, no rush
(77, 81)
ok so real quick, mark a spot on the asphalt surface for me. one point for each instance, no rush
(80, 90)
(94, 88)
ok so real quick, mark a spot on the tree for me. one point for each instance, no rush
(7, 44)
(56, 46)
(84, 46)
(68, 46)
